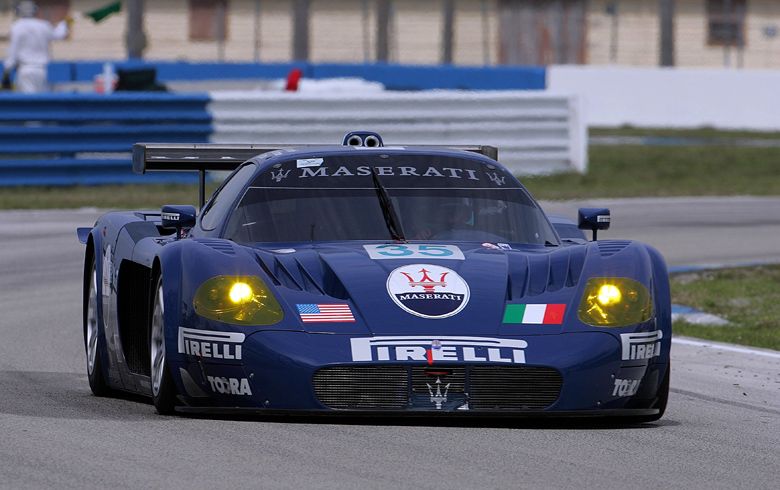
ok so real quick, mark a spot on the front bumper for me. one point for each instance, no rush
(281, 371)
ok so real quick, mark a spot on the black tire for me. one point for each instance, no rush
(94, 343)
(661, 400)
(163, 388)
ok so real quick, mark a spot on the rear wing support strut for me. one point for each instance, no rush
(201, 188)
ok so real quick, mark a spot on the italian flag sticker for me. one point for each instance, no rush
(535, 314)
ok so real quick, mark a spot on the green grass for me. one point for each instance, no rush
(150, 196)
(641, 171)
(615, 171)
(683, 133)
(747, 297)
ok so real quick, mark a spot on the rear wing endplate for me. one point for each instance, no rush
(200, 157)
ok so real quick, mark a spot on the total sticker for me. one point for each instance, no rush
(428, 291)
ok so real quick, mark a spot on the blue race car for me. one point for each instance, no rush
(365, 279)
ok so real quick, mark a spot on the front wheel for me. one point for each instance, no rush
(661, 399)
(163, 390)
(92, 344)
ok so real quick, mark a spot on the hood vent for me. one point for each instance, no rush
(535, 274)
(263, 261)
(223, 246)
(302, 271)
(608, 248)
(279, 272)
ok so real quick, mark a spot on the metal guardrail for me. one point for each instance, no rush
(534, 131)
(67, 139)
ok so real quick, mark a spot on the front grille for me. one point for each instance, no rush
(394, 387)
(513, 388)
(362, 388)
(424, 376)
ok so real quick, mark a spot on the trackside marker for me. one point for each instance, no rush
(727, 347)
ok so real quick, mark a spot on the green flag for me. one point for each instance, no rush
(101, 13)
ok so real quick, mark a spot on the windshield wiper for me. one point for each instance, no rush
(388, 211)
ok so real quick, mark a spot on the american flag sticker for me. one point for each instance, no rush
(324, 313)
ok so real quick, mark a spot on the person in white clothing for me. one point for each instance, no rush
(28, 51)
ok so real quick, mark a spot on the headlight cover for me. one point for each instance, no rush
(614, 302)
(240, 300)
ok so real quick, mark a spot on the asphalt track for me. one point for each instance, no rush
(722, 428)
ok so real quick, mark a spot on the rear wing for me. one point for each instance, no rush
(200, 157)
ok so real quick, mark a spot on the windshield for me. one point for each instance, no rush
(381, 205)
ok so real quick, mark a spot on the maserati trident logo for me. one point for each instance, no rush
(279, 175)
(428, 284)
(496, 179)
(428, 291)
(437, 398)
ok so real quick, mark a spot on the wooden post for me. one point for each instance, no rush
(301, 11)
(666, 16)
(383, 30)
(448, 31)
(135, 37)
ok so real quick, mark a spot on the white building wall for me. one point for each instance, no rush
(336, 31)
(633, 31)
(338, 26)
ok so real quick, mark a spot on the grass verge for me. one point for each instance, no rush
(747, 297)
(140, 196)
(615, 171)
(654, 171)
(710, 133)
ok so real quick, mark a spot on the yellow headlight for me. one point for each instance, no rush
(240, 292)
(614, 302)
(609, 294)
(241, 300)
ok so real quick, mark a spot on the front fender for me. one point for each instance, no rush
(662, 298)
(184, 266)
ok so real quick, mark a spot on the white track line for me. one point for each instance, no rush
(727, 347)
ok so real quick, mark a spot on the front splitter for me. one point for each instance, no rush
(526, 414)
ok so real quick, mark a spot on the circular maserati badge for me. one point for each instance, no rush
(428, 291)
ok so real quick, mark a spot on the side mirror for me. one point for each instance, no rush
(593, 219)
(178, 217)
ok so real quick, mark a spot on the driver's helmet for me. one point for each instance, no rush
(458, 213)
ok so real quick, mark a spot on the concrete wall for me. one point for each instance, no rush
(683, 98)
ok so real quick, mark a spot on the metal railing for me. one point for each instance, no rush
(535, 132)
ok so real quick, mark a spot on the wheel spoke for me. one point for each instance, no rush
(158, 342)
(92, 323)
